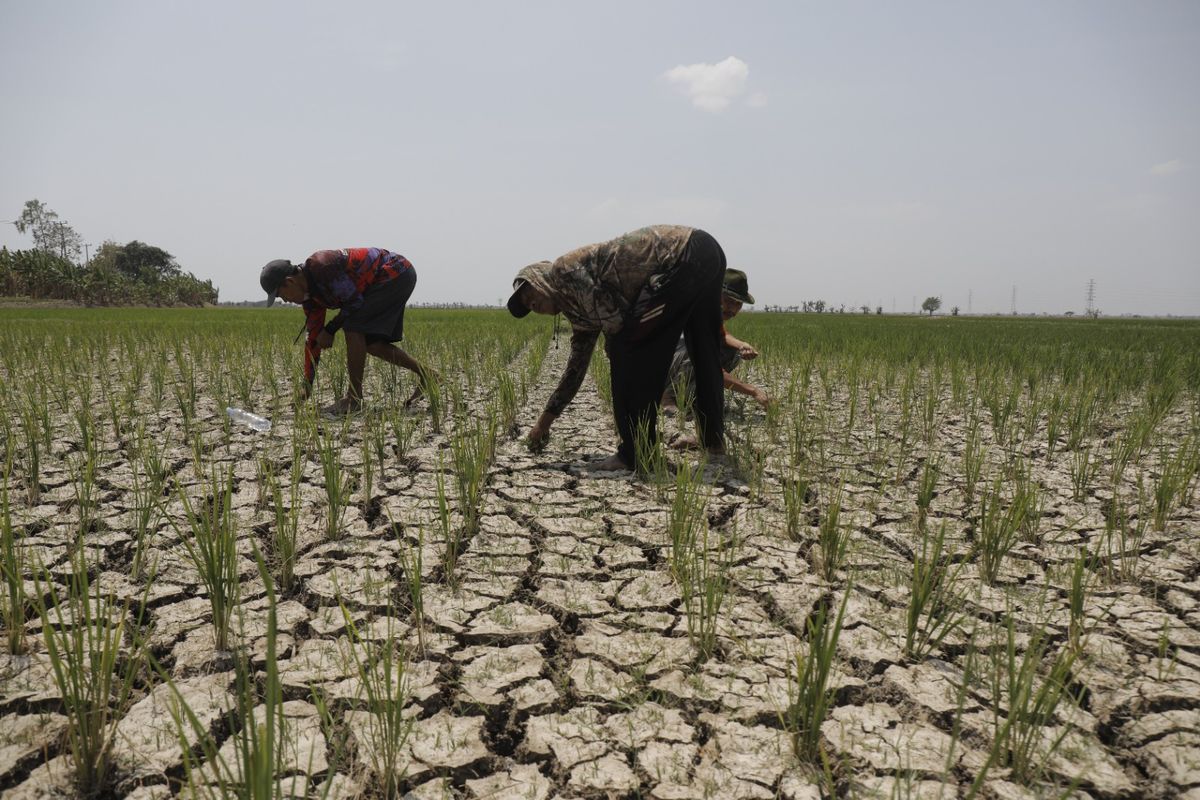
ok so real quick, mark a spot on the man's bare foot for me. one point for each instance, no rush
(613, 463)
(347, 405)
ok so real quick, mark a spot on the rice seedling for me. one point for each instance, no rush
(997, 530)
(935, 609)
(1083, 573)
(329, 450)
(973, 458)
(685, 518)
(795, 495)
(412, 565)
(1083, 470)
(472, 447)
(210, 541)
(380, 666)
(650, 460)
(96, 655)
(285, 531)
(809, 694)
(250, 769)
(1025, 698)
(927, 488)
(703, 587)
(148, 480)
(1177, 472)
(13, 563)
(451, 535)
(833, 539)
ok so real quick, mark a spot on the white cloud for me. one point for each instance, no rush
(757, 100)
(711, 87)
(1167, 167)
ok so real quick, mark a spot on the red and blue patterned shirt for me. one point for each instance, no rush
(338, 279)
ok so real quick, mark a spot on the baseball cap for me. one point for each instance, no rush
(515, 307)
(273, 275)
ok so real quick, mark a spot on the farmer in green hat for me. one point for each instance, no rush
(734, 294)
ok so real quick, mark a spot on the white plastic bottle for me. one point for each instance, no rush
(245, 417)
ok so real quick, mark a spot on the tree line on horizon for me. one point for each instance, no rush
(134, 273)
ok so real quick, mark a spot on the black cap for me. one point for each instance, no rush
(273, 275)
(515, 307)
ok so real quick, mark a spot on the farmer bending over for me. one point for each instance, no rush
(734, 293)
(371, 287)
(641, 290)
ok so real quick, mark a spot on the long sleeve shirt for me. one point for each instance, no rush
(597, 286)
(338, 279)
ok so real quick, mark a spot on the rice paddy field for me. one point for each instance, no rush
(958, 557)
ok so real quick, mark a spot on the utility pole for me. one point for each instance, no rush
(1091, 297)
(914, 305)
(1014, 300)
(87, 258)
(970, 296)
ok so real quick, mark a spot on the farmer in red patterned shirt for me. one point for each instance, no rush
(370, 287)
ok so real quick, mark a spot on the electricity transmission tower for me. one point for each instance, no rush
(1091, 297)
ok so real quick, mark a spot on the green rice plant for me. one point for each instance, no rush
(13, 563)
(935, 609)
(650, 460)
(261, 728)
(809, 694)
(286, 528)
(1124, 533)
(451, 535)
(402, 432)
(83, 480)
(381, 668)
(1083, 574)
(96, 657)
(1177, 472)
(833, 538)
(33, 459)
(508, 404)
(795, 495)
(685, 518)
(1025, 698)
(148, 481)
(412, 564)
(997, 530)
(703, 587)
(1028, 494)
(1083, 470)
(329, 451)
(927, 488)
(973, 459)
(472, 447)
(368, 463)
(1082, 415)
(211, 543)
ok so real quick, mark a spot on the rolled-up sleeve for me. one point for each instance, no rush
(314, 323)
(582, 344)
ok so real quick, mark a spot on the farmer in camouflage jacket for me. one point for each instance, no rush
(641, 290)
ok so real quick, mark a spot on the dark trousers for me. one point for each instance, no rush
(641, 353)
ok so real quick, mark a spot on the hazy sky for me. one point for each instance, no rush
(854, 152)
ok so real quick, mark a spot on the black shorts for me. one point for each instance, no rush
(381, 316)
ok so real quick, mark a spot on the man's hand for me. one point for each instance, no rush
(747, 352)
(303, 393)
(324, 340)
(761, 397)
(539, 434)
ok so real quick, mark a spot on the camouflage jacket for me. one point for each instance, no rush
(597, 288)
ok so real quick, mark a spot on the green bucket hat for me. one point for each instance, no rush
(737, 287)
